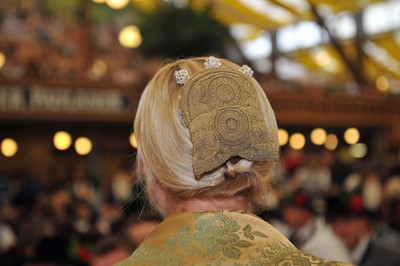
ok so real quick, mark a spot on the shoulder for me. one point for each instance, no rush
(222, 238)
(379, 254)
(277, 253)
(388, 238)
(283, 255)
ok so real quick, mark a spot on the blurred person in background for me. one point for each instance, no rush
(357, 227)
(110, 250)
(84, 218)
(138, 227)
(313, 176)
(207, 139)
(121, 184)
(368, 182)
(393, 214)
(7, 235)
(8, 239)
(55, 251)
(391, 206)
(110, 216)
(310, 233)
(339, 169)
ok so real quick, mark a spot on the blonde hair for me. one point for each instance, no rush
(165, 149)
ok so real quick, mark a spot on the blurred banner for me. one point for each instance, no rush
(43, 102)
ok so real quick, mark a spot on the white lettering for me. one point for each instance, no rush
(12, 98)
(76, 100)
(62, 100)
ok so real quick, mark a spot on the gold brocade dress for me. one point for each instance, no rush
(218, 238)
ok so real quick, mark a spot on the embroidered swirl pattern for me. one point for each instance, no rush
(221, 109)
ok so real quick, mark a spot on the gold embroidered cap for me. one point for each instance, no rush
(220, 107)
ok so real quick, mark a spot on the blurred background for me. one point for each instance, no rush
(71, 74)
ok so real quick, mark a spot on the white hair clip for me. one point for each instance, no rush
(181, 76)
(212, 62)
(245, 69)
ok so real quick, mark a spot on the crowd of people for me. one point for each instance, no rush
(326, 208)
(72, 223)
(325, 205)
(344, 211)
(353, 216)
(63, 41)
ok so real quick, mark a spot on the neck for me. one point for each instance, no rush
(207, 204)
(167, 204)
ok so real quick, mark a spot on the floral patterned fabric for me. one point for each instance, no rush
(219, 238)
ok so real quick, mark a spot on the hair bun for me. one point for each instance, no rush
(235, 167)
(229, 171)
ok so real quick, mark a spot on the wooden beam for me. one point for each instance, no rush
(335, 43)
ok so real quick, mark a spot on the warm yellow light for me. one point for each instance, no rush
(117, 4)
(318, 136)
(297, 141)
(283, 136)
(62, 140)
(150, 6)
(132, 140)
(358, 150)
(83, 145)
(331, 142)
(8, 147)
(99, 68)
(382, 84)
(323, 58)
(130, 37)
(351, 135)
(2, 60)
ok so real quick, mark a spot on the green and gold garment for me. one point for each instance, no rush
(218, 238)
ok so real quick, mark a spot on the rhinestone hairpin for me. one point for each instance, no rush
(181, 76)
(212, 62)
(245, 69)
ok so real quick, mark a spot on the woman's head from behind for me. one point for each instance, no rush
(205, 129)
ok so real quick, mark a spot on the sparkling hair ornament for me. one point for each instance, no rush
(212, 62)
(181, 76)
(245, 69)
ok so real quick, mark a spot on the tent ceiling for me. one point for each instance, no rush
(380, 52)
(318, 42)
